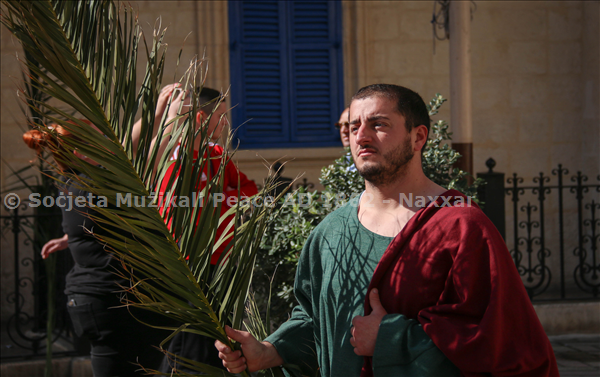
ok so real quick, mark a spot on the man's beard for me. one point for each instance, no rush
(394, 166)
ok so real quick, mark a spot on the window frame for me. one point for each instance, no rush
(291, 136)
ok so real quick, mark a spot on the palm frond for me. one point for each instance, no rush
(87, 53)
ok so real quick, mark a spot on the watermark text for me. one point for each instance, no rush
(68, 201)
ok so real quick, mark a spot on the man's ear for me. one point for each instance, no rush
(420, 133)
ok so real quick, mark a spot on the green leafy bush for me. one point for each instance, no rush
(301, 211)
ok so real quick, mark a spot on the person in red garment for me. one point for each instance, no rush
(233, 177)
(187, 345)
(409, 279)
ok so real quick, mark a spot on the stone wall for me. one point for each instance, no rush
(197, 27)
(16, 155)
(534, 71)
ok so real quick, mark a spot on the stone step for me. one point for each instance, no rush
(557, 318)
(61, 367)
(569, 317)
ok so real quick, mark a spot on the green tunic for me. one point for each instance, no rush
(334, 271)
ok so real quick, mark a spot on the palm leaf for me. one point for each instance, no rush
(87, 55)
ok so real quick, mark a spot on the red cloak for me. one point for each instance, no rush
(450, 270)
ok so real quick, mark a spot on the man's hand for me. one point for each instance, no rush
(163, 100)
(177, 96)
(161, 105)
(55, 245)
(257, 355)
(364, 329)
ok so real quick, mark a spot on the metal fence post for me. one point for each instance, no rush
(492, 195)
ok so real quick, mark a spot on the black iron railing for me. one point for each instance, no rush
(553, 231)
(26, 325)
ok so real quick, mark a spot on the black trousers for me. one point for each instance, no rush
(119, 341)
(194, 347)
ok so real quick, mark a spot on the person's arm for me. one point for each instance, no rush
(55, 245)
(403, 348)
(398, 345)
(235, 177)
(290, 344)
(293, 343)
(161, 106)
(172, 113)
(256, 355)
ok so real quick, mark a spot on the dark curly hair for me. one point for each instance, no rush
(408, 103)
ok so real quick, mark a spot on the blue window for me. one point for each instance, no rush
(286, 72)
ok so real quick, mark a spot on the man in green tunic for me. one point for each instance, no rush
(341, 254)
(456, 302)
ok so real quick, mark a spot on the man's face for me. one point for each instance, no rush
(217, 122)
(380, 144)
(344, 128)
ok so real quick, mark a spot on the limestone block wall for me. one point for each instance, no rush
(16, 155)
(590, 72)
(197, 27)
(534, 71)
(13, 149)
(535, 67)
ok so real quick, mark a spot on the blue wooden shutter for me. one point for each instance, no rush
(257, 72)
(286, 72)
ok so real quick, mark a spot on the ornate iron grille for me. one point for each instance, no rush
(552, 231)
(25, 327)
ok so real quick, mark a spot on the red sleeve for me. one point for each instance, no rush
(484, 321)
(233, 177)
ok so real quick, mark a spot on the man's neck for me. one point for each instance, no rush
(383, 212)
(386, 197)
